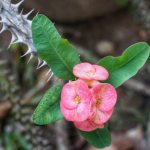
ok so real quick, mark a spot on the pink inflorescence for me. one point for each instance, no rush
(86, 102)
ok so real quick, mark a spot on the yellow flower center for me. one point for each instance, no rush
(98, 102)
(77, 99)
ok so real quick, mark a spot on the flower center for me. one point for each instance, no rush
(77, 99)
(91, 73)
(98, 102)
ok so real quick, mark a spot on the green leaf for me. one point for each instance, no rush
(127, 65)
(99, 138)
(59, 54)
(48, 109)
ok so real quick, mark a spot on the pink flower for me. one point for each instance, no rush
(76, 101)
(86, 102)
(87, 71)
(104, 100)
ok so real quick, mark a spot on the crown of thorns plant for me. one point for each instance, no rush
(88, 99)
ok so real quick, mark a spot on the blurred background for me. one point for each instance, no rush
(97, 28)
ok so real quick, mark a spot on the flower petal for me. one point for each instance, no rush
(101, 117)
(83, 91)
(83, 71)
(87, 125)
(68, 95)
(107, 95)
(101, 73)
(81, 113)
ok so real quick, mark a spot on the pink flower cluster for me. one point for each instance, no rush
(86, 102)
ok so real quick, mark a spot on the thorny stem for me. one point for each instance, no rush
(19, 25)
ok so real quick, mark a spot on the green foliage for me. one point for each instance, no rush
(127, 65)
(59, 54)
(99, 138)
(48, 110)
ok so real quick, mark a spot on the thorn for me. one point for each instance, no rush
(9, 46)
(39, 62)
(13, 39)
(50, 77)
(18, 4)
(28, 14)
(17, 41)
(29, 49)
(31, 56)
(41, 65)
(37, 13)
(28, 52)
(21, 12)
(49, 71)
